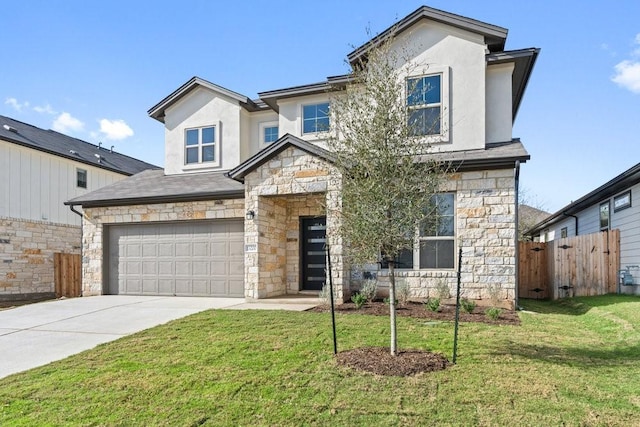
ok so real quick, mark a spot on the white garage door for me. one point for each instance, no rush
(199, 258)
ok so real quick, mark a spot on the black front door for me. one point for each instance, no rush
(314, 251)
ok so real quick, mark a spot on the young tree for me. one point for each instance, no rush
(388, 180)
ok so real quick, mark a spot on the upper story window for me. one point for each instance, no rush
(564, 232)
(315, 118)
(604, 216)
(424, 101)
(200, 145)
(268, 132)
(81, 178)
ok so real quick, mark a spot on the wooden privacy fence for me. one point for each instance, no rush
(574, 266)
(67, 270)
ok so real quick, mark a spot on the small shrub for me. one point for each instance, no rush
(388, 301)
(369, 289)
(442, 290)
(402, 292)
(467, 305)
(325, 296)
(494, 291)
(359, 300)
(493, 313)
(433, 304)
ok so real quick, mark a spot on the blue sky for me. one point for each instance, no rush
(93, 69)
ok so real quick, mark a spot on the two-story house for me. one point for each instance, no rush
(239, 209)
(40, 170)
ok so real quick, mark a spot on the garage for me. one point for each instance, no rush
(187, 258)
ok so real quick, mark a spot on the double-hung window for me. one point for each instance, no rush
(200, 145)
(424, 103)
(315, 118)
(604, 216)
(437, 237)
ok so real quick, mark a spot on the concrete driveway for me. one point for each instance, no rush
(36, 334)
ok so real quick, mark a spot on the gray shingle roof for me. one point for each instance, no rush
(153, 186)
(61, 145)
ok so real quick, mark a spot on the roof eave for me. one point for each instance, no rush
(158, 111)
(495, 36)
(194, 197)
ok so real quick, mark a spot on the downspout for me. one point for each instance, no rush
(517, 269)
(574, 217)
(73, 209)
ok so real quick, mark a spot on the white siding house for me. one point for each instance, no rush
(614, 205)
(39, 170)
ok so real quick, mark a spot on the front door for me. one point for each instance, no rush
(314, 252)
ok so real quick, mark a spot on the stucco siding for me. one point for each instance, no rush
(499, 108)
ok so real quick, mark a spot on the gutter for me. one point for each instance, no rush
(517, 260)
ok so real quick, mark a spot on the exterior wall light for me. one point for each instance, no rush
(250, 215)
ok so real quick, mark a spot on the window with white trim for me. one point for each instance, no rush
(315, 118)
(435, 248)
(200, 145)
(424, 102)
(268, 132)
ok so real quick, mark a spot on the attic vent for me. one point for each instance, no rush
(10, 128)
(73, 152)
(99, 157)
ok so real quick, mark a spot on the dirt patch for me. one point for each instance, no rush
(378, 360)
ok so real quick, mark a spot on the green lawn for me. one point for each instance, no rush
(575, 362)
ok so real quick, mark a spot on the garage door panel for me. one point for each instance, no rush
(188, 258)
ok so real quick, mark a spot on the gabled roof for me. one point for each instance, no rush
(523, 60)
(158, 110)
(239, 172)
(153, 186)
(57, 144)
(495, 37)
(611, 188)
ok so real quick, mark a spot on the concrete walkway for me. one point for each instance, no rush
(36, 334)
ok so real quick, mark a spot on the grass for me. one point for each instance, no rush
(572, 362)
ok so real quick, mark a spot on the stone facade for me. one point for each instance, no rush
(95, 219)
(26, 256)
(292, 185)
(485, 230)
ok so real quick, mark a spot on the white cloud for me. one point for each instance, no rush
(44, 109)
(15, 104)
(66, 122)
(628, 75)
(115, 130)
(627, 72)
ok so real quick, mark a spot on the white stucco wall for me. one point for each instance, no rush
(499, 104)
(435, 48)
(291, 116)
(202, 107)
(257, 120)
(34, 185)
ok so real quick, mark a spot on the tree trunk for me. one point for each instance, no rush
(392, 309)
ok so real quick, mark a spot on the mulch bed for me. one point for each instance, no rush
(378, 360)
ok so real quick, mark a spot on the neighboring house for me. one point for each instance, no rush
(613, 205)
(528, 216)
(39, 170)
(239, 209)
